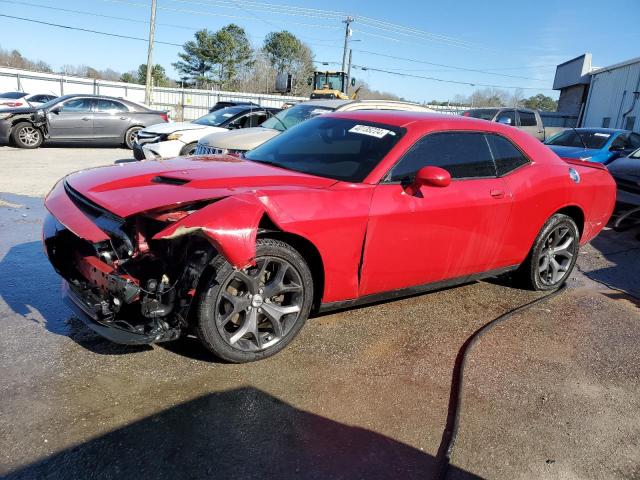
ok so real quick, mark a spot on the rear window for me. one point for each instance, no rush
(13, 95)
(342, 149)
(481, 113)
(580, 138)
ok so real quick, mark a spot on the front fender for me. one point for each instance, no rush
(230, 224)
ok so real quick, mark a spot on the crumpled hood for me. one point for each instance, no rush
(242, 139)
(170, 127)
(17, 110)
(130, 188)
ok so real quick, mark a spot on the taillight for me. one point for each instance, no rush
(11, 104)
(164, 117)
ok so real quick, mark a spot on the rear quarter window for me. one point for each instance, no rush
(506, 156)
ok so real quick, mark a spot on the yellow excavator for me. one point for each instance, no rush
(331, 85)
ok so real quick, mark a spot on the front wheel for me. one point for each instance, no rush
(247, 315)
(553, 255)
(188, 149)
(25, 135)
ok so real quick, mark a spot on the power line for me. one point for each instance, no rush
(436, 79)
(487, 72)
(68, 27)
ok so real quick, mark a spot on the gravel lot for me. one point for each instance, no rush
(553, 393)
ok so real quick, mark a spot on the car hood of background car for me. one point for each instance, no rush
(165, 128)
(625, 167)
(243, 139)
(579, 152)
(128, 189)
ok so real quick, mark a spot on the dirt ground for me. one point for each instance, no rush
(554, 393)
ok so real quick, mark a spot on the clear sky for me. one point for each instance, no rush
(514, 43)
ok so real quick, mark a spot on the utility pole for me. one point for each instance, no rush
(152, 31)
(347, 34)
(346, 88)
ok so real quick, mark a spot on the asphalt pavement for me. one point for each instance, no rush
(360, 394)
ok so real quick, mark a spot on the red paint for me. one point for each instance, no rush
(402, 236)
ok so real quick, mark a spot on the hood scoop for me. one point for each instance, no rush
(163, 179)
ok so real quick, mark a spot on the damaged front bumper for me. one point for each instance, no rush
(129, 308)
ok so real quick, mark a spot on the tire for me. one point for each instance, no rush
(188, 149)
(553, 255)
(130, 136)
(25, 135)
(252, 314)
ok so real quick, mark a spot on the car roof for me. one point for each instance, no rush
(602, 130)
(104, 97)
(403, 118)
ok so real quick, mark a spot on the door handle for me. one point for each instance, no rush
(85, 119)
(497, 193)
(124, 118)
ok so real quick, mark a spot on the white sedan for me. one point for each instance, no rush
(24, 100)
(166, 140)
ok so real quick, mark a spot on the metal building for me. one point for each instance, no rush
(613, 99)
(600, 97)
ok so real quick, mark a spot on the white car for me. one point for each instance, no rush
(236, 143)
(24, 100)
(166, 140)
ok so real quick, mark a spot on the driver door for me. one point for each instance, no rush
(73, 121)
(439, 233)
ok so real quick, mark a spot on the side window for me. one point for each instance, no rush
(527, 119)
(505, 154)
(257, 119)
(462, 154)
(634, 140)
(508, 117)
(620, 142)
(77, 105)
(109, 106)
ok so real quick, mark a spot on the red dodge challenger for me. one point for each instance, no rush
(344, 209)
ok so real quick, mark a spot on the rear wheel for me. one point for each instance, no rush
(25, 135)
(188, 149)
(250, 314)
(130, 136)
(553, 255)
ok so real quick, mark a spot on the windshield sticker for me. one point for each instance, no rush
(605, 135)
(318, 111)
(227, 115)
(371, 131)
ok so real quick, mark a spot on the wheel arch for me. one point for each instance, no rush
(576, 213)
(305, 247)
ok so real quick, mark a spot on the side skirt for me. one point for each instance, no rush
(410, 291)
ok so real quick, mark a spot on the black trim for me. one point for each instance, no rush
(414, 290)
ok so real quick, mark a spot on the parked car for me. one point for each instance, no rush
(166, 140)
(78, 118)
(601, 145)
(237, 142)
(231, 103)
(21, 99)
(344, 209)
(626, 173)
(522, 118)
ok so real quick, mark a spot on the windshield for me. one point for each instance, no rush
(342, 149)
(580, 138)
(293, 116)
(218, 117)
(13, 95)
(481, 113)
(333, 81)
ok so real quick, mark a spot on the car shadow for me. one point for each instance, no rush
(244, 434)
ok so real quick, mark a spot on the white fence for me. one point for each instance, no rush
(181, 103)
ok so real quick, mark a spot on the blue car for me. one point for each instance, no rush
(602, 145)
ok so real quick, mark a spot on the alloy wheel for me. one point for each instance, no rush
(29, 136)
(257, 307)
(556, 255)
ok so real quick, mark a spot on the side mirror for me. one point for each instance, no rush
(57, 109)
(505, 120)
(429, 176)
(233, 126)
